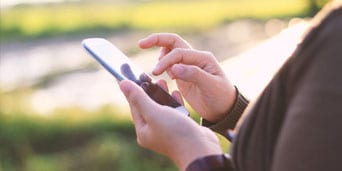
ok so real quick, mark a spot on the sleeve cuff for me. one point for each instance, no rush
(221, 162)
(231, 119)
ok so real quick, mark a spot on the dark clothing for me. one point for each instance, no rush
(295, 124)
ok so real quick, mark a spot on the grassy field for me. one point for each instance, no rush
(72, 139)
(95, 141)
(180, 16)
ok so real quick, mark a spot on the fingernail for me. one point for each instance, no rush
(156, 69)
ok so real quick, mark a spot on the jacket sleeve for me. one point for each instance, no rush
(232, 117)
(221, 162)
(310, 138)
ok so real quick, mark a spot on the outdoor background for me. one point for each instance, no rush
(59, 110)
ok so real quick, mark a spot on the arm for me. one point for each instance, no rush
(310, 138)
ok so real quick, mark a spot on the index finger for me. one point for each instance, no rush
(169, 40)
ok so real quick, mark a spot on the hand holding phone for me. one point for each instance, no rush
(119, 65)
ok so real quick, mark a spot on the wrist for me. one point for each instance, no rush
(192, 148)
(225, 105)
(230, 119)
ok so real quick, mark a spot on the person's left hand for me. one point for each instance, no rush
(166, 130)
(198, 75)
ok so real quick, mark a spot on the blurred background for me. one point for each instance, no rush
(59, 110)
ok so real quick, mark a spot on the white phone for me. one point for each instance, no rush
(119, 65)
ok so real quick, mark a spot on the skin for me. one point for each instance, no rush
(167, 131)
(198, 75)
(200, 81)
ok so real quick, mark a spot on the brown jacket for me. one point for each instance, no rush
(296, 123)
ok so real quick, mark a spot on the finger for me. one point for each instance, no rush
(191, 73)
(138, 116)
(163, 85)
(163, 52)
(185, 56)
(138, 120)
(178, 97)
(140, 103)
(168, 40)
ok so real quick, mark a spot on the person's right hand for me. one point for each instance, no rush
(166, 130)
(199, 77)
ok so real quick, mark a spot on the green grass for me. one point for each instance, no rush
(74, 139)
(71, 139)
(181, 16)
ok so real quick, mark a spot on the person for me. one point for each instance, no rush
(293, 125)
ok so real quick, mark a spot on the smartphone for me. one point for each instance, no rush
(121, 67)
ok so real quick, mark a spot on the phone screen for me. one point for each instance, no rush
(119, 65)
(112, 59)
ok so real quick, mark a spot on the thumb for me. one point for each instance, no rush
(190, 73)
(140, 103)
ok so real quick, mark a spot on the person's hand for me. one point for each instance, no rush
(166, 130)
(199, 77)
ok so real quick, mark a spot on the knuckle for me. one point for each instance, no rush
(178, 41)
(177, 50)
(176, 36)
(153, 36)
(132, 97)
(194, 71)
(178, 53)
(208, 54)
(140, 142)
(156, 34)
